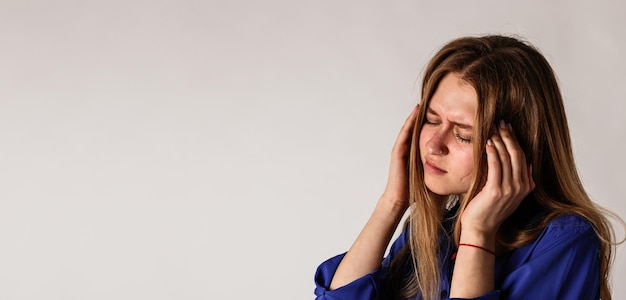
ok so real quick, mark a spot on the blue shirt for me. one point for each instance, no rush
(562, 263)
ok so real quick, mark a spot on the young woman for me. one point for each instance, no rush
(497, 209)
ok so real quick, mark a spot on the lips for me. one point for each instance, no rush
(433, 168)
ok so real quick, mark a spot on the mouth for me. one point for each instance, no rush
(433, 168)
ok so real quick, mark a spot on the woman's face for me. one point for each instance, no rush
(446, 137)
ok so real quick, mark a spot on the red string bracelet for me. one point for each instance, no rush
(478, 247)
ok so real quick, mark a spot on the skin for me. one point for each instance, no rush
(509, 180)
(445, 140)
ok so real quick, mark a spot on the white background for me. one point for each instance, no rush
(222, 150)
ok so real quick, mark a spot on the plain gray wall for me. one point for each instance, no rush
(223, 149)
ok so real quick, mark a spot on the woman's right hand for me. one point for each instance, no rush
(397, 189)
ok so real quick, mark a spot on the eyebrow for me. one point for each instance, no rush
(460, 125)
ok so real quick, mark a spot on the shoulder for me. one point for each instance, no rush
(566, 232)
(569, 225)
(570, 221)
(561, 263)
(564, 236)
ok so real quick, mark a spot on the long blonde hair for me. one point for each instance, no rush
(515, 83)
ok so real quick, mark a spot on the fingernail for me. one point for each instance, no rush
(502, 124)
(489, 142)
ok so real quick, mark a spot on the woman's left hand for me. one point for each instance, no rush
(509, 181)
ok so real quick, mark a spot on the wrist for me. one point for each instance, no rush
(392, 206)
(482, 239)
(393, 203)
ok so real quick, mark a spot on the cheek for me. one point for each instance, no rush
(466, 164)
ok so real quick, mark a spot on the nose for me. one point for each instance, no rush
(436, 145)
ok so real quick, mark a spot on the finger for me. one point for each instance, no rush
(494, 172)
(402, 144)
(407, 128)
(505, 160)
(410, 120)
(510, 128)
(519, 167)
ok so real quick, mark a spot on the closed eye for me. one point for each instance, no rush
(430, 122)
(462, 139)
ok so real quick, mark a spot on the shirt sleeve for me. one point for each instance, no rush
(563, 263)
(366, 287)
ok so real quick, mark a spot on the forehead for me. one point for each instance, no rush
(455, 100)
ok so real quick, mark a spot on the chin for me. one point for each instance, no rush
(443, 189)
(437, 189)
